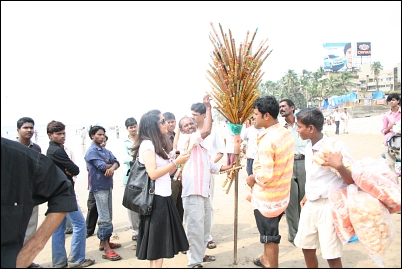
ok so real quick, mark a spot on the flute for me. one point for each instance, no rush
(231, 169)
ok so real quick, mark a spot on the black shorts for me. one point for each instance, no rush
(268, 227)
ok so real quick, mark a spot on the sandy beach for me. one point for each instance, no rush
(364, 140)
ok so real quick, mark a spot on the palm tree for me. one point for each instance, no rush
(346, 81)
(290, 81)
(376, 68)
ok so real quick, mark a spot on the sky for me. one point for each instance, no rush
(101, 62)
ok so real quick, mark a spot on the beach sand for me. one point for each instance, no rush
(364, 140)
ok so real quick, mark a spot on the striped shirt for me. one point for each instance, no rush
(273, 169)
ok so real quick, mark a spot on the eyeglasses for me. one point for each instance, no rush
(163, 122)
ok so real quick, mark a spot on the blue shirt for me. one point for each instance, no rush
(97, 158)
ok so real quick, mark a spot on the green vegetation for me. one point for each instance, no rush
(313, 87)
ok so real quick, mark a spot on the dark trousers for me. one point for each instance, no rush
(337, 127)
(297, 191)
(92, 215)
(249, 167)
(177, 188)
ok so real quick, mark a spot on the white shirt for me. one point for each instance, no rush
(163, 185)
(214, 143)
(345, 116)
(249, 135)
(229, 137)
(197, 170)
(337, 116)
(320, 181)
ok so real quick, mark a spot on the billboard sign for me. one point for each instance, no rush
(337, 57)
(363, 48)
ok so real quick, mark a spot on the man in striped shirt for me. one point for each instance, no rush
(270, 182)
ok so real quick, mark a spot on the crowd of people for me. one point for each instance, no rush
(182, 158)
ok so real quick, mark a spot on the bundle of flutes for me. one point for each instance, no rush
(235, 75)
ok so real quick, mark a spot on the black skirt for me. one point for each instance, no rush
(161, 234)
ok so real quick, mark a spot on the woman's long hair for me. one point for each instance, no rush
(149, 130)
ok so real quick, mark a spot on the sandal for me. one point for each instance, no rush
(196, 266)
(84, 263)
(211, 244)
(257, 261)
(134, 237)
(111, 256)
(112, 246)
(34, 265)
(208, 258)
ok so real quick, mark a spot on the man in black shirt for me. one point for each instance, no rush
(29, 178)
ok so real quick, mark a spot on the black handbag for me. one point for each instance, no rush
(140, 189)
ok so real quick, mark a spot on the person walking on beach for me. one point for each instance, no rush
(337, 119)
(57, 135)
(102, 164)
(215, 146)
(161, 234)
(298, 182)
(345, 116)
(29, 178)
(389, 120)
(270, 183)
(25, 126)
(316, 226)
(128, 144)
(83, 136)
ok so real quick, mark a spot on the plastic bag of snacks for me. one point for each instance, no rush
(340, 213)
(374, 177)
(371, 221)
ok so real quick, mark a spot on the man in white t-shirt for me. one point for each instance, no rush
(345, 116)
(249, 140)
(337, 118)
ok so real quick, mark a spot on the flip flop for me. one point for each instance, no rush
(257, 261)
(111, 256)
(209, 258)
(112, 246)
(211, 245)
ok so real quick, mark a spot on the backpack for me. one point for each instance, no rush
(394, 143)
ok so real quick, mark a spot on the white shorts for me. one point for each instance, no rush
(316, 229)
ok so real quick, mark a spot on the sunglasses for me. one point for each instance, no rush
(163, 122)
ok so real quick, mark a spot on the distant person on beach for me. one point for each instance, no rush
(25, 126)
(102, 165)
(28, 179)
(337, 119)
(83, 136)
(316, 226)
(161, 234)
(271, 181)
(132, 129)
(298, 182)
(56, 131)
(345, 116)
(215, 145)
(36, 136)
(117, 132)
(389, 120)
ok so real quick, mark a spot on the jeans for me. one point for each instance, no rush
(78, 240)
(337, 127)
(104, 205)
